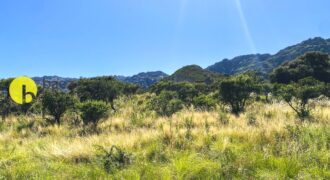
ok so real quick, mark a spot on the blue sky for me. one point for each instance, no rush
(87, 38)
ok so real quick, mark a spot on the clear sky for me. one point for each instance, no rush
(87, 38)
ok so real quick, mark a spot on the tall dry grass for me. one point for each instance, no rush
(265, 142)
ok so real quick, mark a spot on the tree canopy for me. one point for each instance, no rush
(313, 64)
(105, 89)
(236, 91)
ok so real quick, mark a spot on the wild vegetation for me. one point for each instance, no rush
(237, 127)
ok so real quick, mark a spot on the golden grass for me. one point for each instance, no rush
(65, 144)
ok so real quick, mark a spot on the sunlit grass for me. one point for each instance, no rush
(265, 142)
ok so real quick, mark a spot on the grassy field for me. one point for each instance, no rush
(266, 142)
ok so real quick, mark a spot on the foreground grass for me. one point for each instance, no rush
(266, 142)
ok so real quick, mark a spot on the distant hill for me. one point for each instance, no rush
(293, 52)
(239, 64)
(52, 81)
(144, 79)
(262, 63)
(193, 73)
(265, 63)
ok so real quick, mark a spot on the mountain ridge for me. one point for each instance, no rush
(143, 79)
(265, 63)
(262, 63)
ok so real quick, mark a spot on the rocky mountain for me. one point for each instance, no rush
(54, 82)
(239, 64)
(144, 79)
(265, 63)
(194, 73)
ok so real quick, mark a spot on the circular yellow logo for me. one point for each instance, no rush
(22, 90)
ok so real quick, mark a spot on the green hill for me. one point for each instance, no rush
(194, 73)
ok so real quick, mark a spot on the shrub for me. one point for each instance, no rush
(114, 159)
(204, 102)
(251, 119)
(93, 111)
(57, 103)
(185, 91)
(166, 103)
(6, 106)
(130, 89)
(189, 126)
(223, 118)
(298, 95)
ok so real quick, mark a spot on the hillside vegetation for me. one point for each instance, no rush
(195, 74)
(194, 124)
(261, 63)
(266, 142)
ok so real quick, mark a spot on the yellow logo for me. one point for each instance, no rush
(22, 90)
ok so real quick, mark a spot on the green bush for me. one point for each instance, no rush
(6, 107)
(204, 102)
(185, 91)
(166, 103)
(115, 159)
(93, 111)
(251, 119)
(298, 95)
(223, 118)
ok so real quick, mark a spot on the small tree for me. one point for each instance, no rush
(93, 111)
(105, 89)
(236, 91)
(57, 103)
(185, 91)
(130, 89)
(5, 106)
(298, 95)
(166, 103)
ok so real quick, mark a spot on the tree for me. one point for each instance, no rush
(299, 94)
(166, 103)
(130, 89)
(93, 111)
(57, 103)
(186, 91)
(313, 64)
(302, 80)
(105, 89)
(236, 91)
(6, 105)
